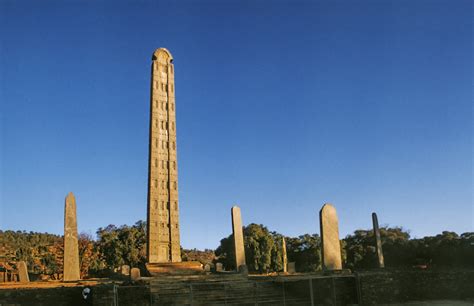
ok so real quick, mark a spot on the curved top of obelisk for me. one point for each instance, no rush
(70, 196)
(163, 53)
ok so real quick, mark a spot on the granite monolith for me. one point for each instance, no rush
(238, 238)
(331, 247)
(378, 241)
(71, 250)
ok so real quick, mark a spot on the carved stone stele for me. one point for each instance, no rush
(163, 239)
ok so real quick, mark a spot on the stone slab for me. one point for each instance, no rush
(175, 268)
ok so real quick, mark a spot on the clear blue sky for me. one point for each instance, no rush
(281, 107)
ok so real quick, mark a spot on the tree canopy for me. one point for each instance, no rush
(115, 246)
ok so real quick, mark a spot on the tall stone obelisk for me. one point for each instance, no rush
(285, 258)
(238, 236)
(331, 246)
(378, 241)
(71, 249)
(163, 244)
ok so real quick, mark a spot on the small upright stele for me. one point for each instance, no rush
(238, 236)
(331, 247)
(71, 249)
(163, 239)
(378, 241)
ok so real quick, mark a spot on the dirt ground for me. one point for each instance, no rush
(438, 303)
(52, 284)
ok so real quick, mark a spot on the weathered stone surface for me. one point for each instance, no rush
(378, 241)
(285, 259)
(71, 249)
(219, 267)
(125, 270)
(331, 247)
(207, 267)
(22, 272)
(175, 268)
(291, 267)
(238, 237)
(163, 242)
(135, 274)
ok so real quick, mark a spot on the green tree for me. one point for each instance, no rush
(305, 251)
(259, 248)
(225, 253)
(262, 250)
(118, 246)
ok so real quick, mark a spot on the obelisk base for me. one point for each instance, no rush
(175, 268)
